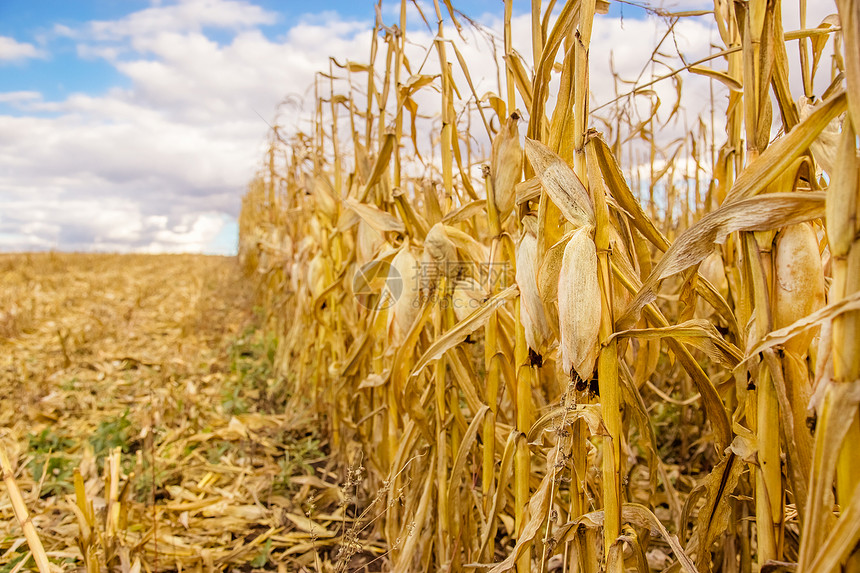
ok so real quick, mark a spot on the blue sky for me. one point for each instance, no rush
(135, 125)
(62, 72)
(65, 72)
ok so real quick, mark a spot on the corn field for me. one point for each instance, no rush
(543, 354)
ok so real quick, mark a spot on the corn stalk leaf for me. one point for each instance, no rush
(462, 329)
(561, 184)
(762, 213)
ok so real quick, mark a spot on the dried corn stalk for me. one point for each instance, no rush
(615, 242)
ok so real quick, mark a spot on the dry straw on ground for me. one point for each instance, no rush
(143, 428)
(671, 381)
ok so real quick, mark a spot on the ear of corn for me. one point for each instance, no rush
(688, 278)
(532, 314)
(579, 305)
(404, 290)
(506, 166)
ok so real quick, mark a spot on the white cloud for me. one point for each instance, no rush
(151, 166)
(161, 164)
(20, 97)
(12, 50)
(185, 16)
(684, 5)
(192, 235)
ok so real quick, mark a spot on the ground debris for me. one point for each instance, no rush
(145, 427)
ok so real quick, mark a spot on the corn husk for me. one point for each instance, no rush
(579, 305)
(297, 278)
(532, 313)
(467, 297)
(325, 198)
(316, 231)
(825, 145)
(439, 257)
(317, 274)
(714, 271)
(506, 166)
(368, 242)
(404, 285)
(798, 281)
(561, 184)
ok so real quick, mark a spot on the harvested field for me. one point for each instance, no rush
(136, 370)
